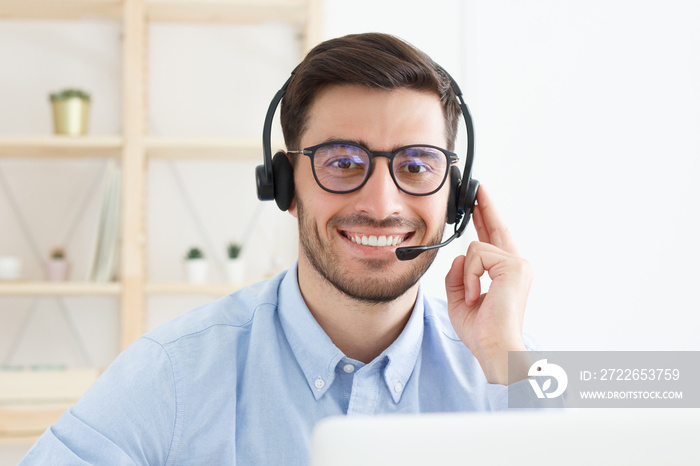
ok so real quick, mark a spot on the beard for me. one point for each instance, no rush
(384, 281)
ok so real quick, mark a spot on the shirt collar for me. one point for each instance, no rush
(318, 356)
(402, 354)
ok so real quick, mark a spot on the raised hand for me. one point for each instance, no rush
(489, 324)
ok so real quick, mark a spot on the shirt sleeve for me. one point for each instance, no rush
(520, 393)
(127, 417)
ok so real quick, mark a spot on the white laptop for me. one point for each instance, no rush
(523, 438)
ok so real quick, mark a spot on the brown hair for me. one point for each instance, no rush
(378, 61)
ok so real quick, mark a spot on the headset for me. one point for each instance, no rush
(275, 178)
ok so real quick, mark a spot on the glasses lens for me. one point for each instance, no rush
(341, 167)
(419, 169)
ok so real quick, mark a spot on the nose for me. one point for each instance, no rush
(380, 197)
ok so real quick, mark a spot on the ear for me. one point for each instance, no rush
(293, 204)
(293, 208)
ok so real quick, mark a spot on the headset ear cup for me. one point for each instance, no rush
(472, 189)
(453, 198)
(283, 176)
(266, 189)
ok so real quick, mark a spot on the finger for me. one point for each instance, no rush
(454, 282)
(480, 259)
(495, 230)
(481, 230)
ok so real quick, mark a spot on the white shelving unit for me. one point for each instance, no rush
(22, 422)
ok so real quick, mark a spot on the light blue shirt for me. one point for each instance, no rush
(243, 380)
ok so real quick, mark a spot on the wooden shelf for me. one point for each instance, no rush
(63, 9)
(20, 288)
(181, 11)
(23, 424)
(60, 146)
(212, 289)
(32, 400)
(226, 11)
(196, 149)
(32, 387)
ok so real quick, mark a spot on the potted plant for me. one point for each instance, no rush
(71, 108)
(235, 268)
(57, 266)
(197, 266)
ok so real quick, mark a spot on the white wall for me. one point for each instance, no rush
(587, 117)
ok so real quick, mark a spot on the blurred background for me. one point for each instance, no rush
(587, 122)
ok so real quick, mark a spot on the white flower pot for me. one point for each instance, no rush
(197, 270)
(235, 271)
(10, 268)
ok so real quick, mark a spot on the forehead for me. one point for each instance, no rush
(381, 119)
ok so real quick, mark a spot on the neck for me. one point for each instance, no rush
(360, 329)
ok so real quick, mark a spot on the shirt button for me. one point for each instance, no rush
(349, 368)
(398, 387)
(319, 383)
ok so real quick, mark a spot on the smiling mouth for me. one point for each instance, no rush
(377, 241)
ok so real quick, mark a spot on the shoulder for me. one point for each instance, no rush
(436, 316)
(238, 310)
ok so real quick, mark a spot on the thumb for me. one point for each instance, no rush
(454, 282)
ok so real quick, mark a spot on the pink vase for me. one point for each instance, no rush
(57, 270)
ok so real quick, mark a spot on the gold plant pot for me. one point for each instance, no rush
(70, 116)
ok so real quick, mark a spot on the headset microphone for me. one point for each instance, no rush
(406, 254)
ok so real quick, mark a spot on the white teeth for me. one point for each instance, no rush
(377, 241)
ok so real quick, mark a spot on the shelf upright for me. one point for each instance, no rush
(133, 268)
(313, 26)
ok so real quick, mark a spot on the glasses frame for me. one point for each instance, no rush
(452, 159)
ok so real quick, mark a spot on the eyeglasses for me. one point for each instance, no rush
(344, 167)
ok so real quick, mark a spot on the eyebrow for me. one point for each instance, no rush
(358, 142)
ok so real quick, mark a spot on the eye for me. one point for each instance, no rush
(341, 157)
(414, 168)
(419, 161)
(343, 163)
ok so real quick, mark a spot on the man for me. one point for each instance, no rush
(346, 330)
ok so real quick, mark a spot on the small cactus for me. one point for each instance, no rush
(234, 250)
(69, 94)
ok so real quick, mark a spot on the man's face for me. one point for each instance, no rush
(330, 224)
